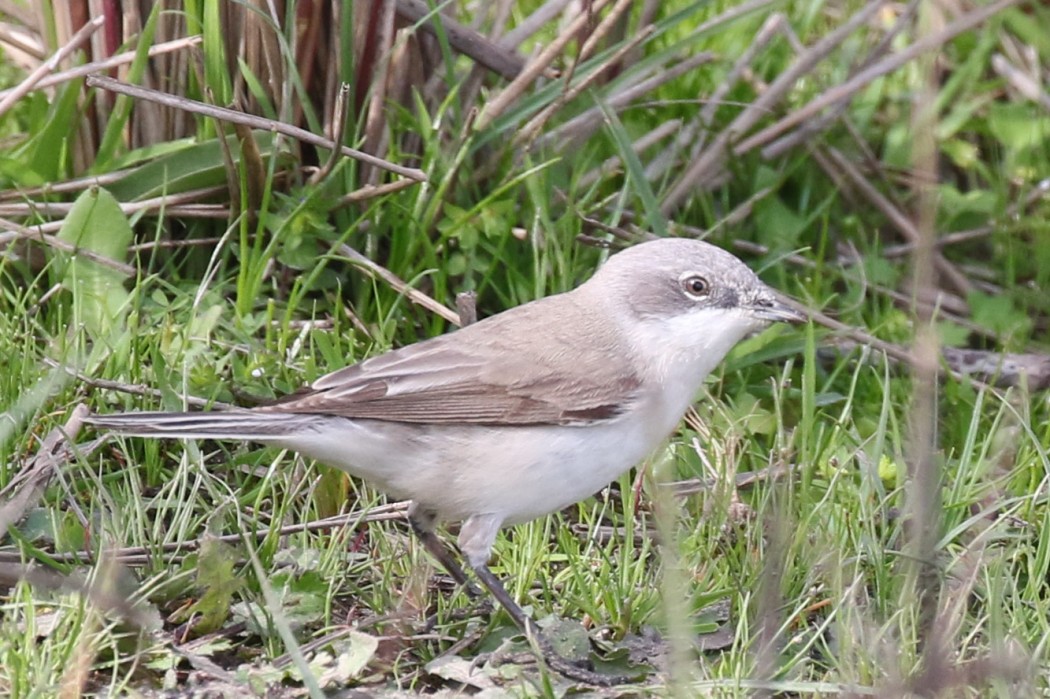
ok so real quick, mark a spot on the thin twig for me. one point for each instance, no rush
(169, 244)
(1021, 81)
(73, 185)
(140, 555)
(710, 162)
(414, 295)
(499, 59)
(532, 24)
(133, 389)
(814, 126)
(605, 25)
(338, 128)
(614, 163)
(37, 234)
(29, 84)
(166, 201)
(850, 87)
(29, 484)
(581, 126)
(694, 136)
(108, 64)
(249, 120)
(371, 191)
(1038, 192)
(840, 164)
(536, 67)
(530, 129)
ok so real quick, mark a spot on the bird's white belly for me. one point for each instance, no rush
(515, 473)
(533, 471)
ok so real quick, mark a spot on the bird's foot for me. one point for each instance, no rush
(580, 671)
(548, 649)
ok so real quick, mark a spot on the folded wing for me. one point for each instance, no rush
(480, 376)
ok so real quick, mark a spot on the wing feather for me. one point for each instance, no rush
(483, 375)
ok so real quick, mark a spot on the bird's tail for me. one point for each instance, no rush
(246, 425)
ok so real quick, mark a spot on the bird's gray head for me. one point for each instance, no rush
(687, 298)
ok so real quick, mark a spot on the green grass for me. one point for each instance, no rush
(800, 585)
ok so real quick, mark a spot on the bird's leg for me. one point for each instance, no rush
(475, 541)
(422, 523)
(522, 620)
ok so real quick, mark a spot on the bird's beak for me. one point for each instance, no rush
(775, 311)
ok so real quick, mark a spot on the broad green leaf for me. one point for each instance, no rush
(193, 167)
(952, 335)
(780, 227)
(1020, 127)
(95, 223)
(352, 655)
(331, 493)
(1000, 314)
(48, 149)
(216, 574)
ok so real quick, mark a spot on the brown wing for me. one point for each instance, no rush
(481, 374)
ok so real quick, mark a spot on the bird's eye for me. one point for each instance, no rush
(695, 285)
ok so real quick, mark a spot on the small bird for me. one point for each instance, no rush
(520, 414)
